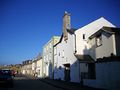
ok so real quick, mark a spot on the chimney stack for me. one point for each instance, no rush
(66, 25)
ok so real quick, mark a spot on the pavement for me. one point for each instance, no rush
(63, 84)
(28, 76)
(67, 85)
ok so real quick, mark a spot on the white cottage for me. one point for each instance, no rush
(39, 67)
(74, 58)
(105, 42)
(86, 51)
(66, 66)
(83, 34)
(34, 66)
(48, 60)
(106, 46)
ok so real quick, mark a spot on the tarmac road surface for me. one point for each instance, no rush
(24, 83)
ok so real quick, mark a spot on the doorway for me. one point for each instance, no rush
(67, 72)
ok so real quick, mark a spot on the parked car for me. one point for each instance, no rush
(13, 73)
(6, 78)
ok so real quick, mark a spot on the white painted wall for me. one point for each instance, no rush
(58, 74)
(106, 48)
(88, 30)
(33, 66)
(38, 68)
(23, 72)
(107, 76)
(65, 54)
(92, 48)
(82, 47)
(48, 59)
(47, 51)
(27, 69)
(41, 68)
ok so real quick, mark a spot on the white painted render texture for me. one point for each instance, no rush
(64, 51)
(39, 68)
(107, 76)
(88, 30)
(107, 47)
(65, 55)
(48, 59)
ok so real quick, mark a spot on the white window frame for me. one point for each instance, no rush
(99, 40)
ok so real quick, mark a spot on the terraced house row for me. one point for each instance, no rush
(89, 55)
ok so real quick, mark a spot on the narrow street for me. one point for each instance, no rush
(24, 83)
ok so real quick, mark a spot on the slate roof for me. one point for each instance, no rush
(71, 31)
(85, 58)
(106, 29)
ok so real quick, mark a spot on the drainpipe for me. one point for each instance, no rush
(75, 43)
(114, 44)
(78, 60)
(79, 72)
(53, 59)
(43, 63)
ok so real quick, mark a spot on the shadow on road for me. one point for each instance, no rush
(20, 82)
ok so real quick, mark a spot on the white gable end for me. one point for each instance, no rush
(88, 30)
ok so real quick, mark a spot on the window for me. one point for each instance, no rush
(91, 73)
(46, 48)
(56, 60)
(60, 67)
(59, 53)
(99, 40)
(50, 46)
(50, 57)
(83, 36)
(55, 50)
(63, 54)
(47, 57)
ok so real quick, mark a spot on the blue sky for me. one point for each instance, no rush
(26, 25)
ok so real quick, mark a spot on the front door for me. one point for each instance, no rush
(67, 73)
